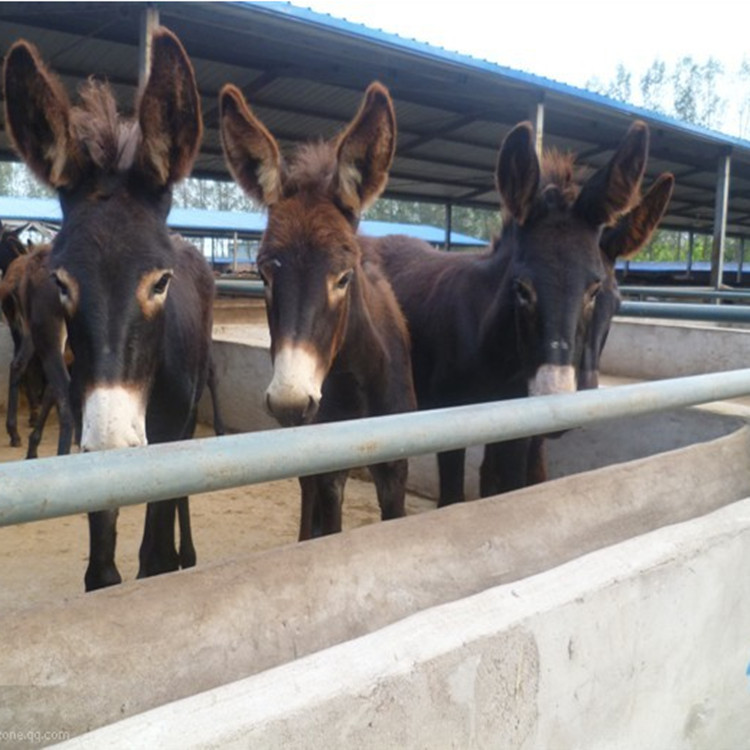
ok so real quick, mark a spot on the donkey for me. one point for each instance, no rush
(514, 320)
(137, 302)
(12, 253)
(32, 306)
(339, 344)
(624, 240)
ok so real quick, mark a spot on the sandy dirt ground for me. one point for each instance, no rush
(46, 560)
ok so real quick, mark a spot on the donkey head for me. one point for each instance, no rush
(552, 227)
(113, 259)
(309, 257)
(624, 240)
(10, 247)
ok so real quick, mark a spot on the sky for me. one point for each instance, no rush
(570, 41)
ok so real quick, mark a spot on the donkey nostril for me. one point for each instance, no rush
(312, 408)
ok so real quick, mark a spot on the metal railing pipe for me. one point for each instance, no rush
(58, 486)
(685, 292)
(686, 311)
(240, 287)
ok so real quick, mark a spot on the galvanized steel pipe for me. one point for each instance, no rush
(239, 287)
(685, 292)
(58, 486)
(686, 311)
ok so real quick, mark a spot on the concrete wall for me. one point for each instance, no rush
(638, 645)
(650, 350)
(97, 658)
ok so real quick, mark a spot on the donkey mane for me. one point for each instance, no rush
(310, 168)
(560, 171)
(110, 139)
(560, 183)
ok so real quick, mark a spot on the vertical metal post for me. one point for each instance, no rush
(740, 261)
(720, 220)
(448, 224)
(536, 115)
(234, 254)
(149, 22)
(691, 246)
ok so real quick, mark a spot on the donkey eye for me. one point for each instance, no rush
(343, 280)
(524, 293)
(593, 292)
(160, 287)
(62, 287)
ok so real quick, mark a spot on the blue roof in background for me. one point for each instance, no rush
(202, 221)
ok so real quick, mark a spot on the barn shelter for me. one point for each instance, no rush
(304, 73)
(224, 236)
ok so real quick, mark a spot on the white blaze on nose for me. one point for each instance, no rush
(113, 417)
(551, 379)
(297, 378)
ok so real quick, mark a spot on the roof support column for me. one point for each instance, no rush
(720, 219)
(448, 224)
(149, 22)
(536, 115)
(741, 261)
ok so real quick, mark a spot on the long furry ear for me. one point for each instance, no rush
(517, 172)
(365, 151)
(635, 228)
(611, 190)
(169, 114)
(37, 117)
(251, 152)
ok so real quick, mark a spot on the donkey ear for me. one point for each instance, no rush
(169, 114)
(517, 172)
(37, 117)
(635, 228)
(365, 151)
(610, 191)
(250, 151)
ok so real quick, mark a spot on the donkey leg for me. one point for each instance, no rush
(504, 467)
(390, 483)
(18, 367)
(35, 438)
(451, 471)
(536, 469)
(102, 570)
(11, 418)
(157, 553)
(322, 497)
(186, 553)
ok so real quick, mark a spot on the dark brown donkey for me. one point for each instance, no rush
(138, 302)
(31, 303)
(339, 344)
(624, 240)
(514, 320)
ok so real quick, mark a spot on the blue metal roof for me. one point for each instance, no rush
(198, 221)
(309, 16)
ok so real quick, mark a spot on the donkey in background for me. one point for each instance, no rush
(12, 263)
(513, 321)
(137, 302)
(32, 307)
(339, 344)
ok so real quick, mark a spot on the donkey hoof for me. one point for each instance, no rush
(102, 578)
(15, 441)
